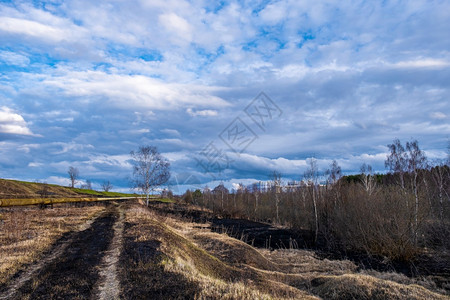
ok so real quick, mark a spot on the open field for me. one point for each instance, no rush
(168, 251)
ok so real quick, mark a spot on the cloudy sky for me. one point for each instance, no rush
(82, 83)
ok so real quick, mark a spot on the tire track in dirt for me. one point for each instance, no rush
(108, 285)
(57, 250)
(71, 270)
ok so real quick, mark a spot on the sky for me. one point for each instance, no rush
(228, 91)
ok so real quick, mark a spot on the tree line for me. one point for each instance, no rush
(393, 215)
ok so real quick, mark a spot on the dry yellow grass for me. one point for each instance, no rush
(294, 273)
(163, 257)
(303, 261)
(358, 286)
(232, 251)
(25, 234)
(214, 288)
(215, 278)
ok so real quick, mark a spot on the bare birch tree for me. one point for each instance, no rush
(416, 163)
(276, 188)
(255, 192)
(396, 161)
(311, 176)
(368, 179)
(439, 173)
(150, 169)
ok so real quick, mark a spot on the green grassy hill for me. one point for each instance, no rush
(23, 189)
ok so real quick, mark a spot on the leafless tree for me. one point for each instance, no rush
(397, 163)
(416, 163)
(334, 173)
(207, 197)
(73, 175)
(87, 185)
(333, 181)
(221, 191)
(311, 176)
(448, 153)
(440, 172)
(368, 179)
(150, 169)
(276, 189)
(412, 162)
(255, 192)
(107, 186)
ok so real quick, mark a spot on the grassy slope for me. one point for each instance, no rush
(23, 189)
(193, 262)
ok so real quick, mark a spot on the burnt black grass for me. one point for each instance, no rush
(75, 272)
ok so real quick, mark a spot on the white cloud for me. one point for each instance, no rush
(172, 132)
(12, 123)
(52, 33)
(423, 63)
(174, 142)
(64, 181)
(31, 28)
(134, 91)
(28, 147)
(203, 113)
(438, 115)
(120, 161)
(274, 13)
(15, 59)
(260, 163)
(176, 25)
(35, 165)
(135, 131)
(72, 147)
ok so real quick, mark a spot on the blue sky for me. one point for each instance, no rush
(83, 83)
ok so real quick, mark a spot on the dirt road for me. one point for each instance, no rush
(74, 268)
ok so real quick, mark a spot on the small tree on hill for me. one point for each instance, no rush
(73, 175)
(107, 186)
(87, 185)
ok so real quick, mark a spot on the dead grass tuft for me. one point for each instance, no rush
(233, 251)
(356, 286)
(304, 261)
